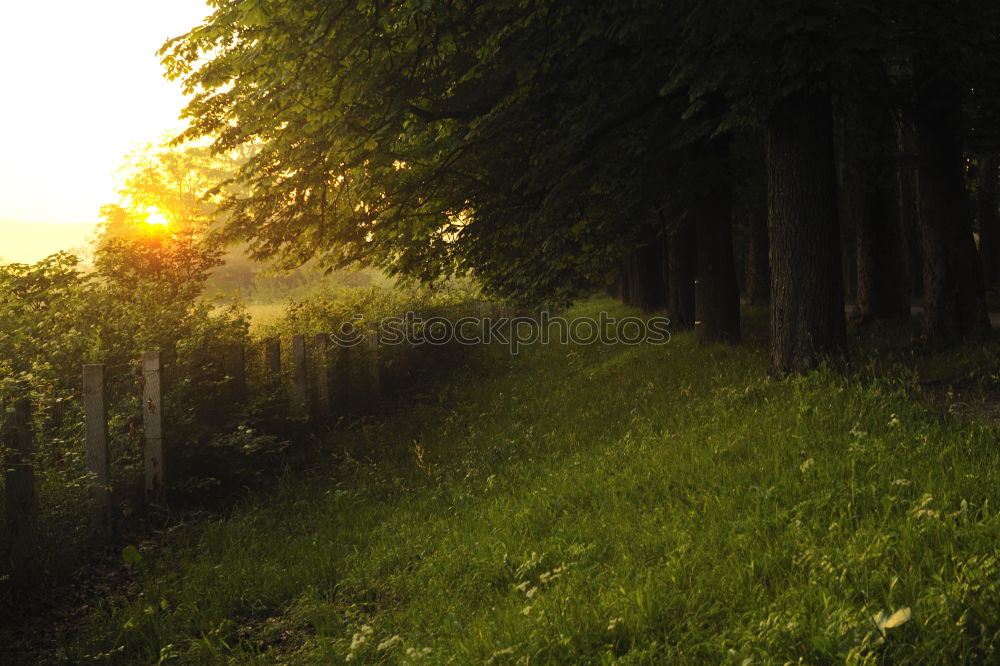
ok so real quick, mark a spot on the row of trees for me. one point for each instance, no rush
(553, 148)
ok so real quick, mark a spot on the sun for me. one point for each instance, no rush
(156, 218)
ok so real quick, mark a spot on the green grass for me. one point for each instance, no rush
(633, 505)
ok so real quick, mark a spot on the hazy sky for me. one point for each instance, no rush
(80, 87)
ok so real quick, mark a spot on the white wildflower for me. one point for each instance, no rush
(550, 576)
(361, 637)
(390, 643)
(417, 653)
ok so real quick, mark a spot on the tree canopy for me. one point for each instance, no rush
(535, 144)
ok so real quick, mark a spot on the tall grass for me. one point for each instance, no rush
(593, 504)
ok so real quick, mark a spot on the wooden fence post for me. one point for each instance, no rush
(95, 419)
(19, 487)
(152, 418)
(235, 364)
(374, 371)
(272, 359)
(300, 387)
(321, 342)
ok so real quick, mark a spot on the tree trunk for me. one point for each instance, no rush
(987, 218)
(807, 297)
(883, 283)
(634, 285)
(641, 282)
(652, 288)
(749, 175)
(682, 259)
(665, 263)
(758, 268)
(954, 299)
(870, 200)
(717, 296)
(909, 201)
(623, 282)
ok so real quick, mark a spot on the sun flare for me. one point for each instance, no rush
(156, 218)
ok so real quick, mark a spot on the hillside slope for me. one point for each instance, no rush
(597, 504)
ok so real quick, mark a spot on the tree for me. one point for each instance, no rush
(774, 70)
(683, 270)
(750, 213)
(807, 301)
(954, 299)
(869, 197)
(415, 138)
(952, 51)
(161, 231)
(543, 146)
(987, 217)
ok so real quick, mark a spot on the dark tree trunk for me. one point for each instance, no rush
(848, 256)
(749, 174)
(883, 283)
(870, 201)
(807, 297)
(683, 262)
(649, 266)
(641, 282)
(717, 296)
(987, 218)
(624, 281)
(954, 299)
(634, 285)
(909, 201)
(758, 268)
(665, 264)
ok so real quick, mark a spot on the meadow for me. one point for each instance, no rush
(606, 504)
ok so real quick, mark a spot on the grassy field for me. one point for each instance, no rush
(263, 314)
(594, 504)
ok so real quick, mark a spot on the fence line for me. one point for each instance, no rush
(321, 377)
(299, 395)
(309, 396)
(19, 486)
(272, 360)
(374, 369)
(95, 420)
(236, 372)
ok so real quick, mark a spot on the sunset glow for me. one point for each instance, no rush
(156, 218)
(88, 90)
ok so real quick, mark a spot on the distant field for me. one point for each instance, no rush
(263, 314)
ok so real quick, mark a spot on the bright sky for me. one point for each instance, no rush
(81, 87)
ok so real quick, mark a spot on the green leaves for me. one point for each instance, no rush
(482, 104)
(559, 131)
(131, 555)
